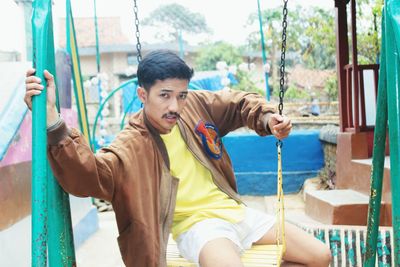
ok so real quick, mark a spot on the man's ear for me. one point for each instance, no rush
(142, 94)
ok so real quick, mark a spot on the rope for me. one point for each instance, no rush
(280, 214)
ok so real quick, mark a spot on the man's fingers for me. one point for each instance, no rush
(33, 79)
(283, 124)
(49, 77)
(34, 86)
(28, 97)
(28, 102)
(282, 135)
(30, 72)
(32, 92)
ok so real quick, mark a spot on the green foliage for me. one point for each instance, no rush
(319, 47)
(273, 30)
(295, 93)
(368, 48)
(311, 40)
(174, 18)
(305, 45)
(331, 88)
(368, 30)
(247, 83)
(209, 55)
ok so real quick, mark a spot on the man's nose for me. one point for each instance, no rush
(173, 105)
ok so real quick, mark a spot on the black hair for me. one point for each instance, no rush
(162, 65)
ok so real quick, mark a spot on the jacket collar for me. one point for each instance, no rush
(142, 124)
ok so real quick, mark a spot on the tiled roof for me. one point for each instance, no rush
(308, 78)
(109, 30)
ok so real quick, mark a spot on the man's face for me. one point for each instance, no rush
(164, 102)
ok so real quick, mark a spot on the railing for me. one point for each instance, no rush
(357, 97)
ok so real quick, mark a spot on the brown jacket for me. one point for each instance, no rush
(133, 172)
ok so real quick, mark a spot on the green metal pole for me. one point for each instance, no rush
(99, 89)
(181, 51)
(40, 29)
(28, 32)
(98, 115)
(72, 48)
(127, 110)
(61, 241)
(97, 37)
(264, 56)
(392, 32)
(60, 237)
(378, 160)
(53, 201)
(26, 6)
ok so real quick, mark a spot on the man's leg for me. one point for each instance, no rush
(220, 252)
(301, 247)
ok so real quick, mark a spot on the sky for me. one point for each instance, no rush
(226, 18)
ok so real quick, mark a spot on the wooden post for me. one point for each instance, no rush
(342, 58)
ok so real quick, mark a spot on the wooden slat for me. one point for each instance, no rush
(257, 256)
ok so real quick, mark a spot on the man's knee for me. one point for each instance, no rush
(326, 256)
(220, 252)
(323, 257)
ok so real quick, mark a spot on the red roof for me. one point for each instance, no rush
(309, 79)
(109, 30)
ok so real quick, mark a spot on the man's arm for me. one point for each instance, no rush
(76, 168)
(234, 109)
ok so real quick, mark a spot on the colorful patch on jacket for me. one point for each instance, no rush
(210, 139)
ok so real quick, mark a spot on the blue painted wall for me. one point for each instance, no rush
(254, 160)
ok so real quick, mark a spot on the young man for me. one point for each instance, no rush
(168, 170)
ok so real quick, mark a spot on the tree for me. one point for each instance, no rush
(173, 19)
(273, 31)
(210, 55)
(369, 14)
(220, 51)
(331, 88)
(305, 45)
(247, 83)
(319, 47)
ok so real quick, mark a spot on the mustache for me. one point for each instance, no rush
(171, 114)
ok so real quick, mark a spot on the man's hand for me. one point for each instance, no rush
(280, 126)
(34, 87)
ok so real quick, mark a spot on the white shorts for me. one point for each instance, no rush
(244, 233)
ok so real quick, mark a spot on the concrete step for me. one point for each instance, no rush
(337, 207)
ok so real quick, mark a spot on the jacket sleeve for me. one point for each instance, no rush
(78, 170)
(232, 109)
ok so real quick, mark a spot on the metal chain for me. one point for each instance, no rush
(138, 45)
(282, 66)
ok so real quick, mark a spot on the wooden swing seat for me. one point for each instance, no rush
(256, 256)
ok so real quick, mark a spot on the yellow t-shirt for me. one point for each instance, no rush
(198, 197)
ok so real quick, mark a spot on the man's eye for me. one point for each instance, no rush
(183, 96)
(164, 95)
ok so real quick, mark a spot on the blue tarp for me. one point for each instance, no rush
(211, 80)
